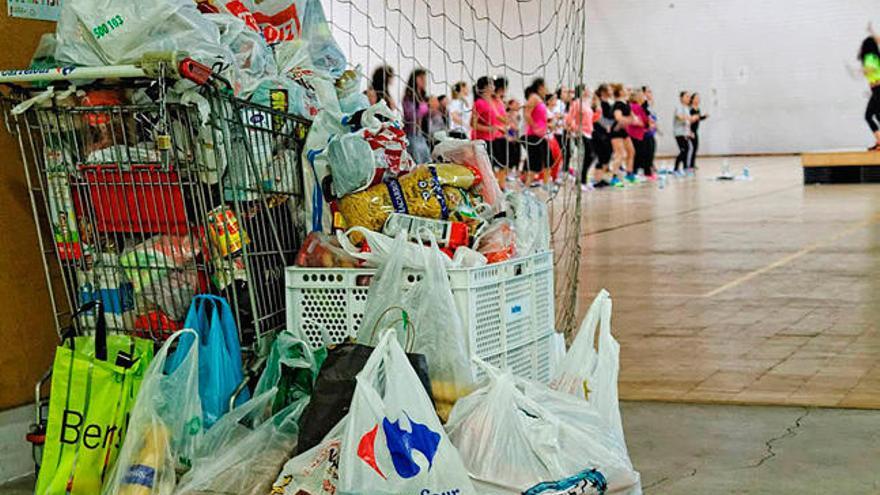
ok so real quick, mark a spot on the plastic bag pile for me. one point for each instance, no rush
(263, 48)
(509, 436)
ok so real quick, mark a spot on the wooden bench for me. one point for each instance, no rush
(841, 167)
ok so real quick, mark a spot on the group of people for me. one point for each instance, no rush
(606, 137)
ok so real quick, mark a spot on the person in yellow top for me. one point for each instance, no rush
(869, 56)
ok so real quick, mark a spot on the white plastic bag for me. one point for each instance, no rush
(243, 452)
(472, 154)
(532, 223)
(326, 125)
(384, 248)
(117, 28)
(513, 439)
(429, 305)
(252, 55)
(391, 441)
(165, 427)
(314, 472)
(591, 374)
(390, 421)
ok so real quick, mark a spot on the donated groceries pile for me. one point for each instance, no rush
(404, 405)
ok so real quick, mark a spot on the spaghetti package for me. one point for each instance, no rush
(429, 191)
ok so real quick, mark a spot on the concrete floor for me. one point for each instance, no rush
(688, 449)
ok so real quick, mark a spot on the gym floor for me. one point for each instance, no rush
(759, 292)
(749, 325)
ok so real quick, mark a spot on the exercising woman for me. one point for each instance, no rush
(602, 134)
(697, 116)
(535, 114)
(624, 152)
(869, 56)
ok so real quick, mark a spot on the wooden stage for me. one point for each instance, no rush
(841, 167)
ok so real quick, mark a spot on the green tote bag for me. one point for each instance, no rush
(95, 381)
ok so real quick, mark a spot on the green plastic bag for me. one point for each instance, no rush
(89, 407)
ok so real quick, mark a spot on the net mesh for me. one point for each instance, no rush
(462, 40)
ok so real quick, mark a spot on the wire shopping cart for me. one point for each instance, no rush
(143, 199)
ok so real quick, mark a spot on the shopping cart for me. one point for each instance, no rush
(143, 199)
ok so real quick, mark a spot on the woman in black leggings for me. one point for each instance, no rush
(681, 127)
(869, 56)
(697, 116)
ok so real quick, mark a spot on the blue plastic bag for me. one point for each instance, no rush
(220, 367)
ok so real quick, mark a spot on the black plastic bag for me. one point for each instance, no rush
(334, 390)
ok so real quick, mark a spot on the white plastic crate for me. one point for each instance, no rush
(505, 307)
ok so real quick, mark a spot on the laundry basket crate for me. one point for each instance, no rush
(507, 308)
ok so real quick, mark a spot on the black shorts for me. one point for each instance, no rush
(504, 153)
(621, 134)
(538, 152)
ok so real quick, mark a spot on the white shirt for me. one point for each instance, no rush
(558, 112)
(460, 107)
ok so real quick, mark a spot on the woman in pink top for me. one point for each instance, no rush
(505, 150)
(535, 113)
(579, 122)
(637, 130)
(484, 122)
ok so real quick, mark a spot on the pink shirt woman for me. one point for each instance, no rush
(538, 125)
(580, 118)
(485, 115)
(637, 131)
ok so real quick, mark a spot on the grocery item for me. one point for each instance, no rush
(140, 477)
(430, 191)
(448, 234)
(473, 154)
(498, 241)
(164, 429)
(62, 215)
(226, 235)
(321, 251)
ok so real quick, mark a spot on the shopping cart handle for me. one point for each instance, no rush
(195, 72)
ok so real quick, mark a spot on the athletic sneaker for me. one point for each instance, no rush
(602, 183)
(652, 177)
(615, 182)
(691, 173)
(631, 178)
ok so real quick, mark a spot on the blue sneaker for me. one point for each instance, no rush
(631, 178)
(615, 182)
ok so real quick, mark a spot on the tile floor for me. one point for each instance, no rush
(760, 292)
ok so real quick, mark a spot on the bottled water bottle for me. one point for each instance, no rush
(746, 173)
(661, 181)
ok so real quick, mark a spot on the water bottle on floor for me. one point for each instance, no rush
(746, 174)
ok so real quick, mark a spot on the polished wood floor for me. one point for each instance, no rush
(759, 292)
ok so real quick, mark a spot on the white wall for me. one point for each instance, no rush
(773, 74)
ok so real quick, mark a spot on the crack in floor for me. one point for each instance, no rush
(665, 480)
(790, 432)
